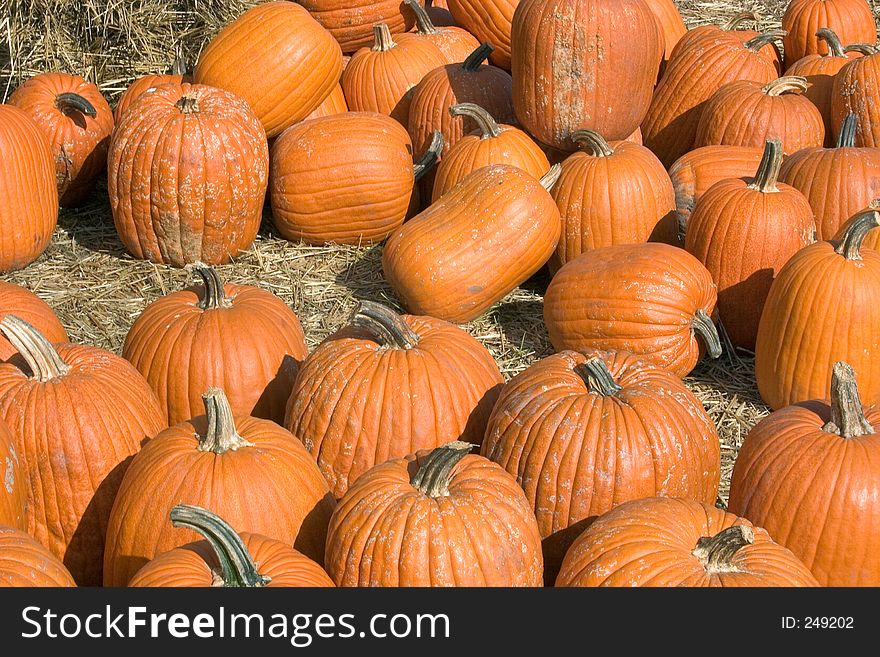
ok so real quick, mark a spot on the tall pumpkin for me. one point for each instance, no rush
(671, 25)
(856, 90)
(851, 20)
(488, 20)
(351, 21)
(26, 562)
(21, 302)
(13, 494)
(78, 414)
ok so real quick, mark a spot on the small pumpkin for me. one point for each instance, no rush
(178, 75)
(487, 20)
(351, 21)
(13, 493)
(25, 562)
(851, 20)
(21, 302)
(455, 43)
(333, 104)
(856, 90)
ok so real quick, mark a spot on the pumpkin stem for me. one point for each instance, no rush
(596, 375)
(178, 67)
(768, 168)
(432, 477)
(237, 566)
(485, 123)
(187, 104)
(383, 42)
(787, 84)
(41, 357)
(703, 326)
(734, 21)
(847, 136)
(716, 552)
(221, 436)
(866, 49)
(847, 415)
(756, 43)
(551, 177)
(829, 36)
(71, 102)
(215, 294)
(850, 246)
(593, 142)
(429, 159)
(424, 25)
(475, 60)
(386, 326)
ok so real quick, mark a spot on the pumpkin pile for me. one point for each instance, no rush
(686, 192)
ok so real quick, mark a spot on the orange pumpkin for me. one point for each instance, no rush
(13, 494)
(856, 90)
(488, 20)
(25, 562)
(851, 20)
(871, 241)
(351, 21)
(177, 75)
(333, 104)
(455, 43)
(671, 25)
(21, 302)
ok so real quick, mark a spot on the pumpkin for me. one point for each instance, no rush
(177, 75)
(435, 518)
(333, 104)
(652, 300)
(487, 20)
(439, 12)
(188, 168)
(23, 303)
(851, 20)
(13, 494)
(606, 195)
(476, 243)
(28, 194)
(455, 43)
(662, 541)
(78, 413)
(810, 474)
(823, 306)
(744, 231)
(747, 113)
(381, 78)
(838, 182)
(77, 121)
(250, 471)
(351, 21)
(386, 386)
(732, 26)
(856, 89)
(671, 25)
(871, 241)
(25, 562)
(583, 64)
(225, 558)
(287, 77)
(691, 78)
(557, 426)
(491, 143)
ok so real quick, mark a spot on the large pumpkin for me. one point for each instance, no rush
(28, 194)
(441, 518)
(557, 426)
(679, 542)
(25, 562)
(21, 302)
(78, 414)
(583, 64)
(13, 493)
(671, 25)
(488, 20)
(239, 337)
(250, 471)
(810, 474)
(276, 57)
(226, 558)
(851, 20)
(823, 307)
(732, 26)
(744, 231)
(351, 21)
(455, 43)
(333, 104)
(856, 90)
(652, 300)
(188, 168)
(77, 121)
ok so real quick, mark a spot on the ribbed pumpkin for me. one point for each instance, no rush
(381, 78)
(28, 194)
(77, 121)
(488, 20)
(871, 241)
(438, 518)
(558, 426)
(491, 143)
(810, 474)
(851, 20)
(652, 300)
(856, 90)
(823, 306)
(679, 542)
(476, 243)
(21, 302)
(238, 337)
(78, 414)
(13, 493)
(25, 562)
(333, 104)
(733, 27)
(455, 43)
(386, 386)
(188, 169)
(611, 194)
(583, 64)
(287, 77)
(691, 78)
(671, 25)
(225, 558)
(747, 113)
(744, 231)
(177, 75)
(351, 21)
(250, 471)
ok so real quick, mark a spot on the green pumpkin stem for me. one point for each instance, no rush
(475, 60)
(829, 36)
(866, 49)
(593, 142)
(847, 415)
(551, 177)
(756, 43)
(432, 477)
(70, 101)
(221, 435)
(429, 159)
(383, 41)
(41, 357)
(768, 168)
(597, 376)
(703, 326)
(384, 325)
(485, 123)
(214, 295)
(850, 246)
(717, 552)
(424, 25)
(847, 136)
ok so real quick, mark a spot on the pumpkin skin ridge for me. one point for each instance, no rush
(809, 15)
(488, 21)
(42, 568)
(21, 302)
(13, 494)
(856, 87)
(338, 20)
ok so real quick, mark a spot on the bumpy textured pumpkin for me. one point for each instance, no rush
(227, 559)
(583, 64)
(77, 121)
(24, 562)
(276, 57)
(238, 337)
(744, 231)
(488, 20)
(78, 414)
(441, 518)
(651, 300)
(13, 493)
(557, 426)
(823, 306)
(455, 43)
(664, 541)
(21, 302)
(249, 471)
(670, 22)
(611, 194)
(28, 194)
(810, 474)
(476, 243)
(351, 21)
(188, 169)
(856, 90)
(333, 104)
(851, 20)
